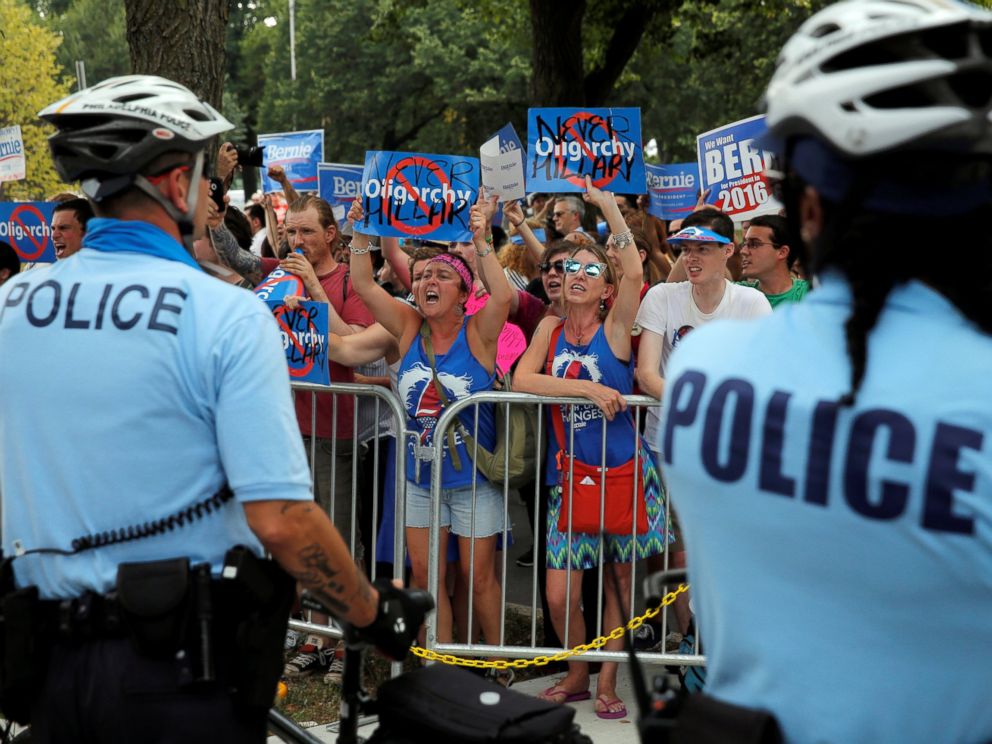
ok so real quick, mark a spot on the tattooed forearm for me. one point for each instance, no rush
(317, 575)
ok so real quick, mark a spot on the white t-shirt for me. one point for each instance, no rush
(256, 241)
(669, 310)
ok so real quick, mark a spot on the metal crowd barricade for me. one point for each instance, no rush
(636, 404)
(387, 417)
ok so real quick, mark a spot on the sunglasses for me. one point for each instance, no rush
(558, 266)
(593, 269)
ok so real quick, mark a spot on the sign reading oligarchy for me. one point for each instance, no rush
(415, 195)
(564, 145)
(27, 227)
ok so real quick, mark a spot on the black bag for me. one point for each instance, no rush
(443, 705)
(706, 720)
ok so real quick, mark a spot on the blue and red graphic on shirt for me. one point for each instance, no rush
(680, 334)
(428, 411)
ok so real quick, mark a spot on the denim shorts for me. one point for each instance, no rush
(456, 508)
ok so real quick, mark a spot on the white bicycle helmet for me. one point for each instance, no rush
(118, 126)
(870, 76)
(109, 133)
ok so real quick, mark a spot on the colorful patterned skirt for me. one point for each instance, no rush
(584, 551)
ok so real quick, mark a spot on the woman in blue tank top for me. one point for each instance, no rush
(591, 358)
(464, 350)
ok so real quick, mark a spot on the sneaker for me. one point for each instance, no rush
(526, 560)
(292, 639)
(502, 677)
(335, 672)
(309, 659)
(647, 637)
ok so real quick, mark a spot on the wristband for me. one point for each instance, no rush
(486, 252)
(359, 251)
(622, 240)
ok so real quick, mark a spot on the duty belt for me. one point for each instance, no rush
(88, 617)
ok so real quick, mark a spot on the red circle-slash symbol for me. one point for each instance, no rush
(567, 128)
(308, 359)
(38, 246)
(396, 175)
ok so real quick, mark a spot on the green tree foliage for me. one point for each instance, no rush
(29, 81)
(436, 76)
(441, 75)
(92, 31)
(707, 66)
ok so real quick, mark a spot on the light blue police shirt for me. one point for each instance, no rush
(134, 386)
(841, 559)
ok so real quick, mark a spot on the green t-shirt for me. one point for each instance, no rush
(795, 293)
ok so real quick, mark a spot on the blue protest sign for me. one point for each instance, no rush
(508, 139)
(538, 233)
(733, 169)
(564, 145)
(27, 227)
(298, 153)
(673, 189)
(304, 339)
(415, 195)
(338, 185)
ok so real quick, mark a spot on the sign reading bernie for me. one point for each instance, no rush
(733, 169)
(298, 153)
(415, 195)
(339, 185)
(565, 145)
(673, 189)
(12, 162)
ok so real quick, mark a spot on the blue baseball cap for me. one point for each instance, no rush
(698, 235)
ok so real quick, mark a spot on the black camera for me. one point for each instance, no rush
(248, 155)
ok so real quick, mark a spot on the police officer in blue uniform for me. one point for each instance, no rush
(146, 429)
(832, 463)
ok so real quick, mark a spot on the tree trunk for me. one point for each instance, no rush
(627, 33)
(182, 40)
(558, 77)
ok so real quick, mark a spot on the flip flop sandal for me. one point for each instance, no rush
(556, 690)
(608, 714)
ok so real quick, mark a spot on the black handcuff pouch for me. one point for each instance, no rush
(154, 602)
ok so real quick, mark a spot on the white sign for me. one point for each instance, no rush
(502, 162)
(12, 167)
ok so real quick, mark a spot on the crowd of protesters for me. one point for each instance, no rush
(599, 291)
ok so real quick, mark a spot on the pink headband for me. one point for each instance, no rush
(456, 265)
